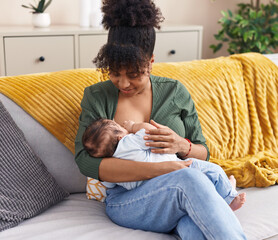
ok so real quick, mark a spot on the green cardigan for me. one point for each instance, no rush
(172, 106)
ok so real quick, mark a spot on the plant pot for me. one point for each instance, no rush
(41, 19)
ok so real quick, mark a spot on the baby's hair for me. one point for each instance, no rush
(131, 37)
(98, 140)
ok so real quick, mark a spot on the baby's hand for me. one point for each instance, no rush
(128, 125)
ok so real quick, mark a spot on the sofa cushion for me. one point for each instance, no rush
(77, 218)
(80, 219)
(27, 188)
(59, 160)
(258, 216)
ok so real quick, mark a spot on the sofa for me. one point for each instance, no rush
(219, 89)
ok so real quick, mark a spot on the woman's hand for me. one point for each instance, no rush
(170, 166)
(165, 140)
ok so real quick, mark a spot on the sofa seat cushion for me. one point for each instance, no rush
(259, 215)
(79, 218)
(76, 218)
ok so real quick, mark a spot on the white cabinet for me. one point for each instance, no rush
(89, 46)
(31, 50)
(38, 54)
(176, 46)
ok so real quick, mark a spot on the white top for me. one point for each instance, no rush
(132, 147)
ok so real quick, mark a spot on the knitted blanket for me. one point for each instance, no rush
(236, 99)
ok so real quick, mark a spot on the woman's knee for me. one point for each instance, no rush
(188, 178)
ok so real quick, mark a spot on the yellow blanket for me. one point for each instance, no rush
(236, 98)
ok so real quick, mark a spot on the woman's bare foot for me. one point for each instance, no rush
(238, 201)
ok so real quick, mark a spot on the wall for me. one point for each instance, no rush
(196, 12)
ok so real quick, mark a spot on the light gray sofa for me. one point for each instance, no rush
(78, 218)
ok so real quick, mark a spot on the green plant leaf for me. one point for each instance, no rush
(252, 14)
(25, 6)
(273, 20)
(222, 20)
(219, 36)
(243, 23)
(31, 7)
(225, 14)
(216, 48)
(238, 17)
(47, 5)
(40, 6)
(249, 29)
(227, 22)
(259, 45)
(246, 36)
(260, 14)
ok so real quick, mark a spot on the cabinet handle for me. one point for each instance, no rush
(41, 59)
(172, 52)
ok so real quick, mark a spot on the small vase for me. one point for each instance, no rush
(41, 20)
(84, 13)
(96, 14)
(96, 19)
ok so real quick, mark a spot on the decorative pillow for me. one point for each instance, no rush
(95, 190)
(26, 187)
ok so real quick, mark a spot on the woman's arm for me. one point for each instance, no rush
(167, 141)
(119, 170)
(196, 150)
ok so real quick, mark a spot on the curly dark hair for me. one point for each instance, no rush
(131, 36)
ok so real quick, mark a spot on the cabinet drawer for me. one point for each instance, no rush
(176, 46)
(38, 54)
(89, 46)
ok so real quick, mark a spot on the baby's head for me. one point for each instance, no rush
(101, 137)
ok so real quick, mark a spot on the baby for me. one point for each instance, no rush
(106, 138)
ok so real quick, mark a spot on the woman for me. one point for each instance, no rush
(176, 198)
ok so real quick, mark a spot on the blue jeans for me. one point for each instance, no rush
(185, 201)
(217, 176)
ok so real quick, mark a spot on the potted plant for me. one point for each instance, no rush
(39, 17)
(252, 28)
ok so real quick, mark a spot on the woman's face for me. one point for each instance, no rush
(131, 83)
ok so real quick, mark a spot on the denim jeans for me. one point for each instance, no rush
(185, 201)
(217, 176)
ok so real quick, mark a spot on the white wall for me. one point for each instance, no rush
(198, 12)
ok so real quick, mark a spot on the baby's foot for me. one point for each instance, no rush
(233, 181)
(238, 201)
